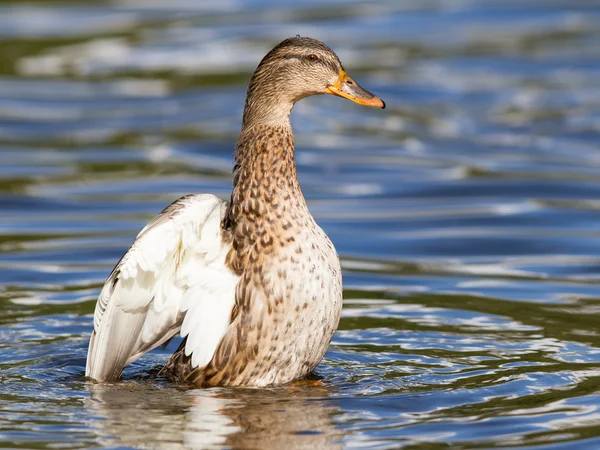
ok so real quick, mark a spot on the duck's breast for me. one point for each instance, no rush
(288, 308)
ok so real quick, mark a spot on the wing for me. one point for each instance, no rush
(172, 278)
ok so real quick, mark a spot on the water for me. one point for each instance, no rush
(467, 217)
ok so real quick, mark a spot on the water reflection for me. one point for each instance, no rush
(150, 416)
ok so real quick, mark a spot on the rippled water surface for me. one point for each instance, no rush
(466, 215)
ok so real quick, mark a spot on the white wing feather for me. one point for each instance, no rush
(172, 278)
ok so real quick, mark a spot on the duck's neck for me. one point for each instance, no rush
(265, 185)
(268, 102)
(267, 207)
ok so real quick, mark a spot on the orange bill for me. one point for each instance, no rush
(346, 87)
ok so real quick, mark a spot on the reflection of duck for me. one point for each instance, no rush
(254, 286)
(148, 417)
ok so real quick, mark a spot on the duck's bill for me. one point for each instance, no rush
(346, 87)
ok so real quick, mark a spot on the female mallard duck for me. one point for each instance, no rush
(254, 286)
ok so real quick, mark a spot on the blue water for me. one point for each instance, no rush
(466, 215)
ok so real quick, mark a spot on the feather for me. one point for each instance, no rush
(173, 275)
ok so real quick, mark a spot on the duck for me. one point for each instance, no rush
(253, 286)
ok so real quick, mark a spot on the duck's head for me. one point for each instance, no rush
(297, 68)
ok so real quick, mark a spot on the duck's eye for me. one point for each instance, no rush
(312, 57)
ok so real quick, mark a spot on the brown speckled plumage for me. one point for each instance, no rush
(280, 254)
(289, 296)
